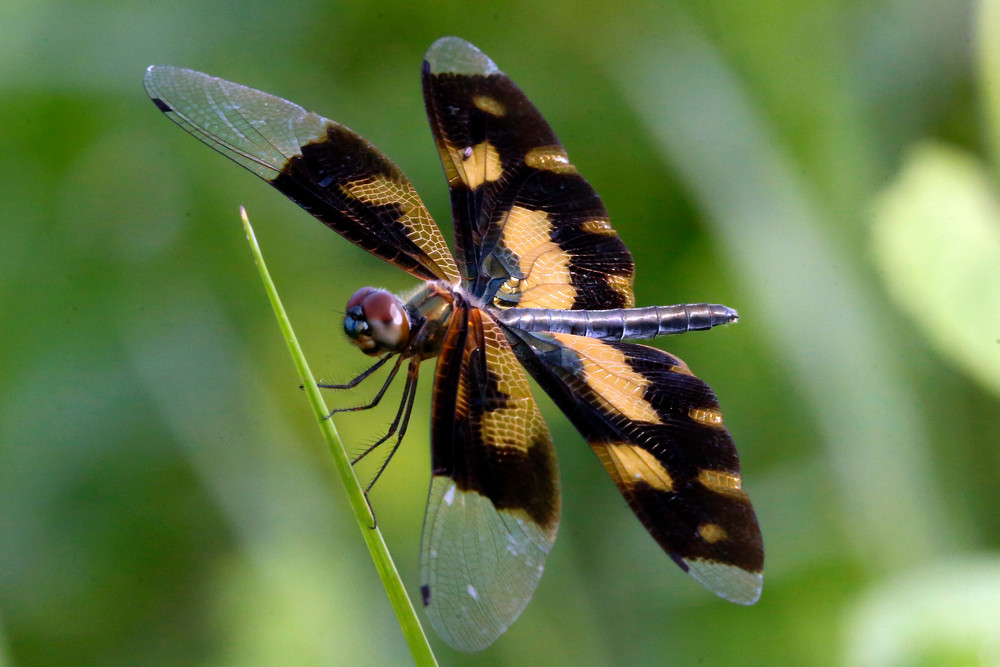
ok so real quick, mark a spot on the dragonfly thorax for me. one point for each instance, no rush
(430, 309)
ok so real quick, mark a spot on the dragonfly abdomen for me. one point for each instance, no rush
(621, 323)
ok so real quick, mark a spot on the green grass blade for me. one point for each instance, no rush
(405, 614)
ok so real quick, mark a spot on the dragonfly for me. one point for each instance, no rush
(539, 284)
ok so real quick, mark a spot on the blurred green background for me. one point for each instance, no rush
(827, 167)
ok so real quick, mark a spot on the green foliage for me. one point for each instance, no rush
(937, 242)
(395, 590)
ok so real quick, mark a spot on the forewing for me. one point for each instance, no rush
(659, 433)
(494, 502)
(322, 166)
(529, 230)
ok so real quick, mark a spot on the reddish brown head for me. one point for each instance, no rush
(376, 321)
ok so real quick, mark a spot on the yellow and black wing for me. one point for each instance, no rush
(321, 165)
(494, 502)
(529, 230)
(659, 433)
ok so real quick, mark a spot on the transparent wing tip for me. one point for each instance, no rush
(453, 55)
(729, 582)
(162, 81)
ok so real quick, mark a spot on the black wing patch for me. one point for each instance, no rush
(529, 230)
(494, 503)
(659, 433)
(321, 165)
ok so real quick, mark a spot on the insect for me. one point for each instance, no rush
(539, 282)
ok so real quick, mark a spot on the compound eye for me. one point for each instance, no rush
(376, 321)
(358, 297)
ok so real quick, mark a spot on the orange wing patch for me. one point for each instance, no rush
(546, 281)
(598, 226)
(612, 379)
(525, 230)
(722, 482)
(419, 225)
(710, 417)
(622, 285)
(550, 158)
(519, 425)
(472, 165)
(712, 533)
(629, 464)
(490, 105)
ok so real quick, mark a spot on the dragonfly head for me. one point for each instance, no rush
(376, 321)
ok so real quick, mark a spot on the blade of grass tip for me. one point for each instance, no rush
(405, 614)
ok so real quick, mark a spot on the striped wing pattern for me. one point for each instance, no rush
(529, 230)
(659, 433)
(322, 166)
(494, 502)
